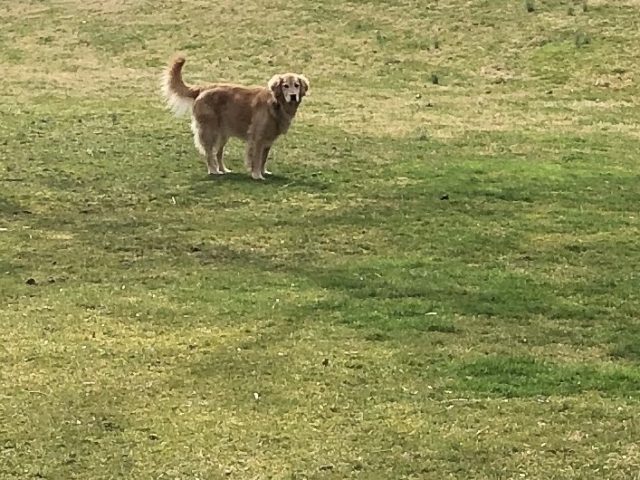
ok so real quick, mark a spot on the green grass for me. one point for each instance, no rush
(441, 280)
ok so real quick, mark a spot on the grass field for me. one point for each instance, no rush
(441, 281)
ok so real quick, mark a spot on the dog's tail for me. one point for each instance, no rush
(178, 95)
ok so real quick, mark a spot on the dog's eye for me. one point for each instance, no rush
(297, 85)
(286, 86)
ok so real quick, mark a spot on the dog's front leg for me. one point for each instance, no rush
(263, 160)
(254, 160)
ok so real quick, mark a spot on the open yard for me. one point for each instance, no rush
(441, 280)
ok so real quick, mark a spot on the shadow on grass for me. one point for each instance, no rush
(201, 184)
(626, 342)
(465, 240)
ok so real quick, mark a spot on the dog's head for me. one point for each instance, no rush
(289, 87)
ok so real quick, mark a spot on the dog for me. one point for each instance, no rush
(219, 111)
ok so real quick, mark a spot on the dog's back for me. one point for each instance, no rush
(231, 109)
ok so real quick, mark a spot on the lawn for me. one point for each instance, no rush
(441, 280)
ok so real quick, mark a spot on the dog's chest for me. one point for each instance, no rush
(279, 126)
(283, 125)
(285, 114)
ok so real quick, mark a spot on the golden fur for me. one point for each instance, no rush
(257, 115)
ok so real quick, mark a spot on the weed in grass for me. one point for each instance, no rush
(529, 6)
(421, 134)
(582, 39)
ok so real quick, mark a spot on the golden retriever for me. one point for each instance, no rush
(257, 115)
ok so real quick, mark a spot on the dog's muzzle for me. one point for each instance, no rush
(293, 99)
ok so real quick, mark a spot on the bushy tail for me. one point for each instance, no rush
(178, 95)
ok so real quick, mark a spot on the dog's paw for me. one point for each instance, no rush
(257, 176)
(267, 172)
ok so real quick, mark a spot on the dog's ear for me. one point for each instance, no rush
(275, 83)
(304, 84)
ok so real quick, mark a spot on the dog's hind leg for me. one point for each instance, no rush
(220, 154)
(212, 163)
(205, 140)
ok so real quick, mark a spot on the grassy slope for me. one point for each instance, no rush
(385, 333)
